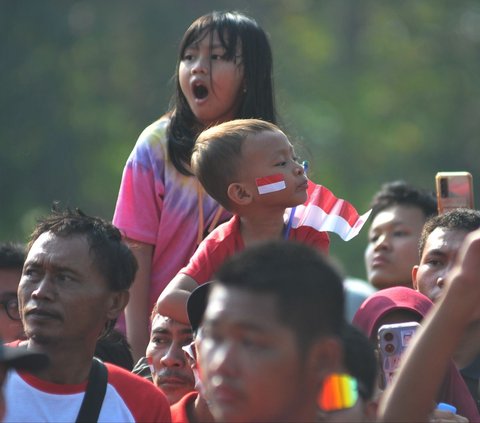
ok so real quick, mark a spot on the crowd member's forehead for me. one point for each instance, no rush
(233, 304)
(167, 324)
(59, 250)
(443, 240)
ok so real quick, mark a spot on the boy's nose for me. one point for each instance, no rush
(299, 170)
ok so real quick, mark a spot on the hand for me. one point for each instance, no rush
(464, 279)
(439, 416)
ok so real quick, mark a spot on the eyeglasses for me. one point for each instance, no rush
(11, 307)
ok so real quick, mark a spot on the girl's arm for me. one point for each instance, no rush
(136, 312)
(172, 302)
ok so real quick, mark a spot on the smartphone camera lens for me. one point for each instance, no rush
(388, 336)
(389, 348)
(444, 187)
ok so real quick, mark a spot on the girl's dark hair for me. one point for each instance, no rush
(256, 57)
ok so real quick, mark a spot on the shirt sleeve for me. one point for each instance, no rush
(220, 244)
(140, 199)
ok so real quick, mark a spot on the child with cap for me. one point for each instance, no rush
(250, 168)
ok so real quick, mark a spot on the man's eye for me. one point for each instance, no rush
(281, 164)
(252, 343)
(31, 272)
(187, 341)
(64, 277)
(159, 340)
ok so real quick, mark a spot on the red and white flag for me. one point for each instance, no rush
(325, 212)
(270, 183)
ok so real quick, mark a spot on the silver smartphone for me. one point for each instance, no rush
(393, 339)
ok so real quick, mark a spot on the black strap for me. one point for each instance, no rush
(94, 394)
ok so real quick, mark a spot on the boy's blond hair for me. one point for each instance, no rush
(217, 155)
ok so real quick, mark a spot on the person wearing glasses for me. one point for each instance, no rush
(12, 257)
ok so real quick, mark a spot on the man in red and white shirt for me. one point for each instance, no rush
(74, 285)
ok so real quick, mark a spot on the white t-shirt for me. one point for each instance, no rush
(128, 398)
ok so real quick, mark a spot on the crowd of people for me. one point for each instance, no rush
(200, 302)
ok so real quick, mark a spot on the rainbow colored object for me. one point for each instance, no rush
(339, 391)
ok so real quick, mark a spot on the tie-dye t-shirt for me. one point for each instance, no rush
(158, 205)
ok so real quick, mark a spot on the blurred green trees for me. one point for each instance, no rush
(371, 90)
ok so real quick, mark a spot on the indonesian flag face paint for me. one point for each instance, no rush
(271, 183)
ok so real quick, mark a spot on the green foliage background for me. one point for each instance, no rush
(371, 90)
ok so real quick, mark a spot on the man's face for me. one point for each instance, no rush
(63, 297)
(9, 329)
(171, 372)
(438, 257)
(392, 248)
(249, 361)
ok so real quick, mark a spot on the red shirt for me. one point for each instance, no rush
(179, 409)
(226, 240)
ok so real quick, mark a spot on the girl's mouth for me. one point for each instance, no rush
(200, 91)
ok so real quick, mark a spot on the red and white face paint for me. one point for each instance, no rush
(272, 183)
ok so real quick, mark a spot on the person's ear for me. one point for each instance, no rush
(414, 277)
(326, 357)
(117, 303)
(239, 194)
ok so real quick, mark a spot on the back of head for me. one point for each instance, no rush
(466, 220)
(233, 29)
(360, 360)
(12, 256)
(386, 301)
(112, 257)
(306, 286)
(217, 155)
(114, 348)
(401, 193)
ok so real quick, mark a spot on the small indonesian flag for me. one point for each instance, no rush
(270, 183)
(325, 212)
(150, 364)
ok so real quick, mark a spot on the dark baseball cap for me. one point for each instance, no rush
(22, 358)
(196, 305)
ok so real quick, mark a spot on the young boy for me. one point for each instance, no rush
(250, 168)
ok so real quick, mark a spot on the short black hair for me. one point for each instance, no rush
(307, 286)
(12, 256)
(403, 194)
(111, 255)
(360, 360)
(457, 219)
(114, 348)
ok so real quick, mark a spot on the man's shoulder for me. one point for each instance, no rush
(123, 380)
(145, 401)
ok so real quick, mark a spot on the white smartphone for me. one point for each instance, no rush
(393, 339)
